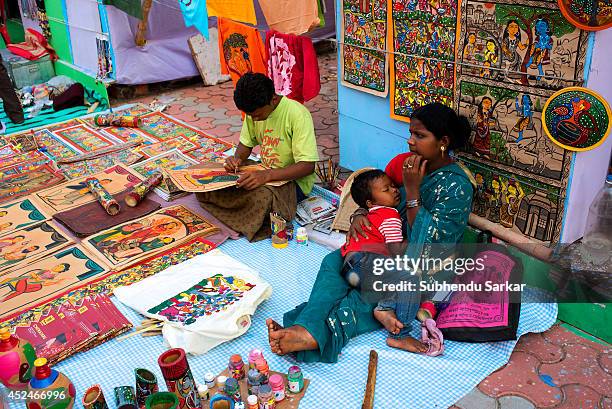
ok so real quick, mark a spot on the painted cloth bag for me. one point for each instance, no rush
(293, 66)
(484, 314)
(291, 16)
(203, 302)
(241, 49)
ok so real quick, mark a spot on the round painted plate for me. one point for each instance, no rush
(577, 119)
(582, 13)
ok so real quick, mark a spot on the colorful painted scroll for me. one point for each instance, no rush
(130, 242)
(181, 143)
(53, 146)
(591, 15)
(18, 214)
(88, 167)
(22, 184)
(514, 55)
(84, 139)
(45, 279)
(424, 44)
(364, 60)
(162, 127)
(30, 243)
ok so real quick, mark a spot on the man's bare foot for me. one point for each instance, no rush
(389, 320)
(292, 339)
(408, 344)
(273, 326)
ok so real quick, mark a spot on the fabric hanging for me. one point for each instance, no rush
(291, 16)
(293, 66)
(195, 14)
(131, 7)
(105, 64)
(237, 10)
(43, 21)
(34, 47)
(241, 49)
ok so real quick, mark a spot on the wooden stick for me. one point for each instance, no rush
(368, 398)
(149, 328)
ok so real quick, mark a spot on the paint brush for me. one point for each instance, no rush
(368, 398)
(145, 329)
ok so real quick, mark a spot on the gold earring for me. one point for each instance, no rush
(442, 149)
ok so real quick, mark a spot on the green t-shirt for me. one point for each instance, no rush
(286, 137)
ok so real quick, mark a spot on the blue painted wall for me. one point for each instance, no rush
(367, 134)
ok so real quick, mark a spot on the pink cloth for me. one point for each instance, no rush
(432, 336)
(293, 66)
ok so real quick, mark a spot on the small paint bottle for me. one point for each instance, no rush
(262, 366)
(209, 379)
(236, 367)
(266, 397)
(278, 387)
(253, 381)
(203, 392)
(252, 402)
(254, 355)
(302, 236)
(295, 379)
(232, 389)
(221, 382)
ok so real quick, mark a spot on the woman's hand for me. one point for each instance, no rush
(252, 180)
(359, 227)
(413, 174)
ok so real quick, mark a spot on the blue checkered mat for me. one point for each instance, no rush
(404, 380)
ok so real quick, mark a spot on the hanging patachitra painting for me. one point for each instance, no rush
(423, 41)
(364, 60)
(513, 56)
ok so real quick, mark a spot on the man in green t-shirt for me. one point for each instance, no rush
(284, 130)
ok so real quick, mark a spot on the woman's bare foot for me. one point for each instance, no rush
(389, 320)
(408, 344)
(292, 339)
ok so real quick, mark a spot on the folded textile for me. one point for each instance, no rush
(293, 66)
(241, 49)
(432, 336)
(74, 96)
(34, 47)
(92, 218)
(203, 301)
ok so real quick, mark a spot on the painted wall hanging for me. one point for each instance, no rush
(577, 119)
(514, 56)
(364, 62)
(84, 139)
(591, 15)
(423, 70)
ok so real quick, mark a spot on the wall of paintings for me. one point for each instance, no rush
(496, 62)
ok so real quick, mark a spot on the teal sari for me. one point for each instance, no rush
(335, 312)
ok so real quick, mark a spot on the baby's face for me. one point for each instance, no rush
(384, 192)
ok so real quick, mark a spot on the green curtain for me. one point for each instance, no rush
(131, 7)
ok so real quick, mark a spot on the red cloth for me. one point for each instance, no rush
(292, 65)
(386, 228)
(34, 47)
(395, 168)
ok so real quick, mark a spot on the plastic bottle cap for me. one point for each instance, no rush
(209, 377)
(252, 399)
(235, 359)
(40, 362)
(221, 380)
(5, 333)
(202, 389)
(276, 381)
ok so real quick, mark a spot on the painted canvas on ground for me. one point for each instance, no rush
(22, 184)
(84, 139)
(45, 279)
(23, 162)
(126, 134)
(162, 127)
(19, 214)
(363, 57)
(75, 192)
(30, 243)
(577, 119)
(90, 166)
(129, 242)
(54, 147)
(181, 143)
(172, 160)
(423, 70)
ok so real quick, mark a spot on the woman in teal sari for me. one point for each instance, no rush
(436, 202)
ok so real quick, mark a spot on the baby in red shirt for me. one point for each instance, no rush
(375, 191)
